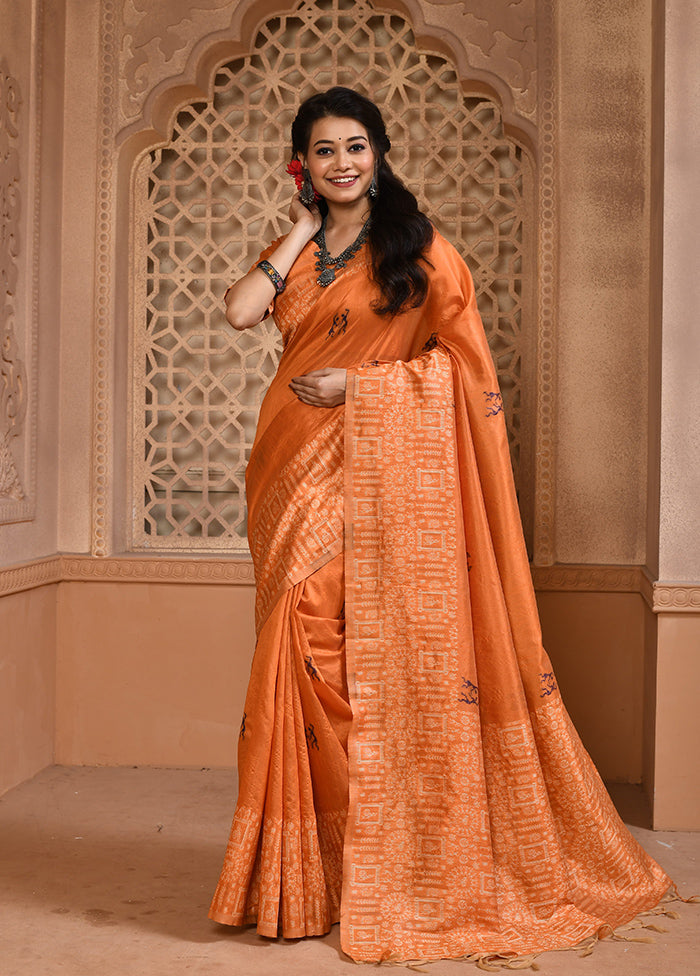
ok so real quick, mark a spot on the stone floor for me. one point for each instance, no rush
(109, 872)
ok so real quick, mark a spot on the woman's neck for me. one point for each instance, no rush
(343, 219)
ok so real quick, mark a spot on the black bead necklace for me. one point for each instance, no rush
(328, 265)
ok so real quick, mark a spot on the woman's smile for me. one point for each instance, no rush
(342, 182)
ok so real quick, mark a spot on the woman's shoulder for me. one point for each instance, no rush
(447, 264)
(439, 245)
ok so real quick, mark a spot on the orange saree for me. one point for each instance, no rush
(406, 764)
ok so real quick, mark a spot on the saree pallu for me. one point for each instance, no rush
(441, 802)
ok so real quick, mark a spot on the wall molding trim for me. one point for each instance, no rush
(588, 578)
(547, 310)
(63, 568)
(103, 333)
(676, 597)
(158, 569)
(661, 596)
(27, 576)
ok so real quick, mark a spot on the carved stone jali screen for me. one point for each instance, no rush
(209, 201)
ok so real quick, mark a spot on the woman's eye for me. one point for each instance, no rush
(358, 147)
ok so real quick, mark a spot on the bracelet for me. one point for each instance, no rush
(274, 276)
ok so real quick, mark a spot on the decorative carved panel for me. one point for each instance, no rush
(18, 288)
(13, 375)
(157, 37)
(207, 202)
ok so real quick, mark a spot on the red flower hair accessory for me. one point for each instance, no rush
(296, 170)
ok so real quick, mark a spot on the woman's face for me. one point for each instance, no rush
(340, 159)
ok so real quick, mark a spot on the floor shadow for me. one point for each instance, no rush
(130, 863)
(632, 804)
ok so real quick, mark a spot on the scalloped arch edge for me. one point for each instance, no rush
(196, 81)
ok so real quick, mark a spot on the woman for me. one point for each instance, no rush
(406, 764)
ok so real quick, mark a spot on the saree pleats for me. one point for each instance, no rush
(297, 524)
(283, 863)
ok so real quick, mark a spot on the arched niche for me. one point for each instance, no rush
(204, 193)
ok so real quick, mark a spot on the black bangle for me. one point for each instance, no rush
(274, 276)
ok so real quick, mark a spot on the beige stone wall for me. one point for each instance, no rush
(78, 162)
(604, 145)
(154, 670)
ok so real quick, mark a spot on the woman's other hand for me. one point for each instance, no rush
(309, 217)
(321, 387)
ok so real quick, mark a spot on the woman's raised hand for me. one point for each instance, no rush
(250, 299)
(321, 387)
(299, 214)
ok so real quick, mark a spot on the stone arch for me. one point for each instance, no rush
(194, 411)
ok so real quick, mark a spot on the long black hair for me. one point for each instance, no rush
(399, 232)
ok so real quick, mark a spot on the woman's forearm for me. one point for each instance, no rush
(248, 299)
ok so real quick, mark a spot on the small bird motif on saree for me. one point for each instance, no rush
(311, 740)
(340, 323)
(310, 668)
(469, 694)
(494, 403)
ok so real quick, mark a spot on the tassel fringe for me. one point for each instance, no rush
(673, 894)
(490, 962)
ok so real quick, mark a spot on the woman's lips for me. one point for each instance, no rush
(343, 180)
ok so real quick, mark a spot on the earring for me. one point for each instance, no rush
(307, 195)
(373, 191)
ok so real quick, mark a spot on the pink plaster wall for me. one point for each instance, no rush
(677, 657)
(679, 544)
(151, 674)
(27, 683)
(677, 742)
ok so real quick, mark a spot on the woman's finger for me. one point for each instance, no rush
(306, 388)
(317, 399)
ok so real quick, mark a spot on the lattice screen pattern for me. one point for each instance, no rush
(209, 202)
